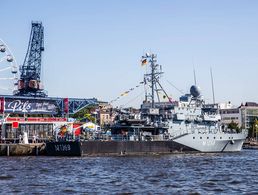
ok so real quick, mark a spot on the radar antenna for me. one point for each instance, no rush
(30, 83)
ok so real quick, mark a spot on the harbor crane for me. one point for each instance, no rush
(29, 84)
(28, 87)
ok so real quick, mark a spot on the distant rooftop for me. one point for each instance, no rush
(251, 104)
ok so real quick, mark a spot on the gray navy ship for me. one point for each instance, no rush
(192, 123)
(189, 121)
(187, 125)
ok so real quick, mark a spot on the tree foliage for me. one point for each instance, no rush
(233, 125)
(85, 113)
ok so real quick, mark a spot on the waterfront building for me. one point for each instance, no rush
(225, 105)
(105, 116)
(244, 115)
(38, 117)
(231, 115)
(249, 112)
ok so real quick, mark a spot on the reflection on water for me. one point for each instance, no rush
(224, 173)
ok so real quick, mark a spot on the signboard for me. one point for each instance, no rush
(30, 106)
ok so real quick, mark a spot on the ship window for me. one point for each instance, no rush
(214, 137)
(200, 137)
(220, 137)
(207, 137)
(193, 137)
(229, 138)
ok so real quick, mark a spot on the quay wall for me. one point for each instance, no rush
(22, 149)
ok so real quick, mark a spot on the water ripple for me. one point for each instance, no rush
(223, 173)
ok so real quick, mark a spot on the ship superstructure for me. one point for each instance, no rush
(189, 121)
(197, 125)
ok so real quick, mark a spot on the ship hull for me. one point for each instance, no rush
(100, 148)
(132, 147)
(183, 144)
(63, 148)
(213, 142)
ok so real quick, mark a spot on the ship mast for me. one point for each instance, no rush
(152, 78)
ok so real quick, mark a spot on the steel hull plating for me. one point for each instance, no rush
(85, 148)
(182, 144)
(213, 142)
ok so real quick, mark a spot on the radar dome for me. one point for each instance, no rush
(195, 91)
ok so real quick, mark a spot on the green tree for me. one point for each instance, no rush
(85, 113)
(233, 125)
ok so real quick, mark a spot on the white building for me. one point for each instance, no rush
(244, 115)
(231, 115)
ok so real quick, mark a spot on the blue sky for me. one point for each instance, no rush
(93, 48)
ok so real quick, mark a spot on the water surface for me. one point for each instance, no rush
(223, 173)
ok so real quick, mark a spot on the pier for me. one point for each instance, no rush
(32, 149)
(251, 145)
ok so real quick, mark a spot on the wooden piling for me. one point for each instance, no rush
(36, 150)
(8, 150)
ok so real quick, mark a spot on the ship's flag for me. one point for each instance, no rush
(144, 62)
(170, 99)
